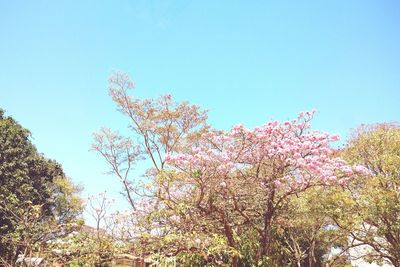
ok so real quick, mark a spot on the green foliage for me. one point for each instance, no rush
(36, 196)
(376, 199)
(84, 248)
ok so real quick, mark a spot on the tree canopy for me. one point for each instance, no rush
(375, 209)
(279, 194)
(246, 197)
(37, 198)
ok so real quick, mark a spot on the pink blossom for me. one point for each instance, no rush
(334, 137)
(301, 161)
(278, 184)
(175, 218)
(167, 158)
(362, 170)
(307, 153)
(296, 155)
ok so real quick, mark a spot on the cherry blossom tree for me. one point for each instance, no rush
(245, 177)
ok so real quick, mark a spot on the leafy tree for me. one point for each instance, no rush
(375, 212)
(38, 201)
(159, 127)
(306, 232)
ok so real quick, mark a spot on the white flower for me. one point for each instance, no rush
(57, 251)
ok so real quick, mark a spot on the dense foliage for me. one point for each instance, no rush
(374, 222)
(38, 202)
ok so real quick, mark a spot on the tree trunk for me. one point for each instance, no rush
(235, 262)
(231, 241)
(265, 242)
(266, 236)
(311, 255)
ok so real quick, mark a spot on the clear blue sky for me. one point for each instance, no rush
(245, 61)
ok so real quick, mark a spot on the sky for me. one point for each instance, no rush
(244, 61)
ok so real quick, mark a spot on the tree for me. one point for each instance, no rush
(38, 201)
(211, 193)
(109, 240)
(306, 233)
(376, 198)
(244, 178)
(159, 127)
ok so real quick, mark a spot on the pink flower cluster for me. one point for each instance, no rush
(298, 156)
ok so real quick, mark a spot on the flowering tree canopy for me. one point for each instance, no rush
(249, 174)
(210, 192)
